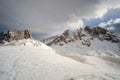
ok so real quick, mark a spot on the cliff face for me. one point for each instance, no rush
(15, 35)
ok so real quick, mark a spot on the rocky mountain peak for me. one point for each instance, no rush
(85, 35)
(95, 30)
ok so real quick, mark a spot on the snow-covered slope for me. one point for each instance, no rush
(32, 60)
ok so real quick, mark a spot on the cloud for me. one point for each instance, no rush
(51, 16)
(74, 22)
(112, 25)
(112, 13)
(110, 20)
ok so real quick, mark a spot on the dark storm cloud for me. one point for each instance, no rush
(44, 15)
(49, 15)
(3, 28)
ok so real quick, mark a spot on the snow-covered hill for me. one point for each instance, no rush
(33, 60)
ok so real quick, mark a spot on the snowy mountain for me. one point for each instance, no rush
(30, 59)
(82, 41)
(92, 41)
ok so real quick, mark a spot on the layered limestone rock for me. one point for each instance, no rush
(15, 35)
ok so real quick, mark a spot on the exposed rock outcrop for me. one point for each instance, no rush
(15, 35)
(81, 34)
(95, 31)
(102, 34)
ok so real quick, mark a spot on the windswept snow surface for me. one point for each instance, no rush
(32, 60)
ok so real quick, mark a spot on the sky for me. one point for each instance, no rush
(54, 16)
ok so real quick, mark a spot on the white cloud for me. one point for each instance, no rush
(103, 24)
(111, 28)
(108, 23)
(117, 20)
(111, 24)
(74, 22)
(106, 6)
